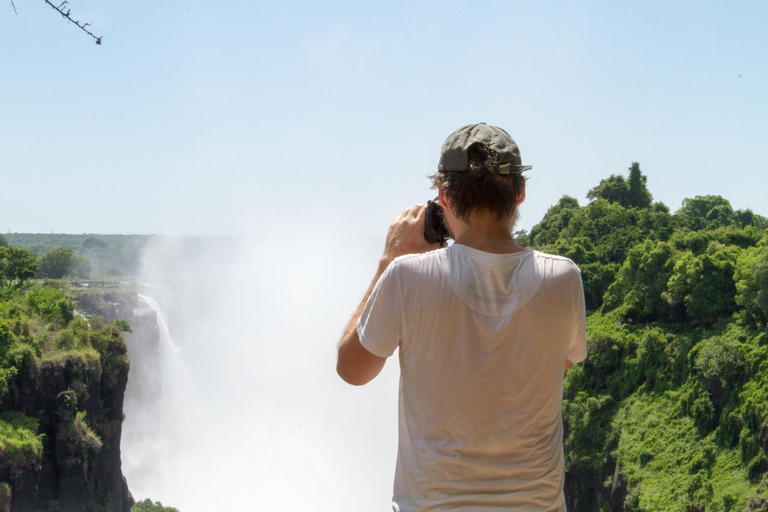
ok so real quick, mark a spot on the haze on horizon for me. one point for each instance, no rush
(193, 118)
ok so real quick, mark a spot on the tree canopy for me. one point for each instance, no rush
(16, 265)
(631, 193)
(670, 409)
(62, 262)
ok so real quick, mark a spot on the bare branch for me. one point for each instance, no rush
(14, 8)
(66, 15)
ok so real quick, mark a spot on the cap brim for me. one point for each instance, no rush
(507, 169)
(518, 169)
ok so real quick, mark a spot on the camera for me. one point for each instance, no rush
(435, 230)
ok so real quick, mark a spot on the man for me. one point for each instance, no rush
(485, 330)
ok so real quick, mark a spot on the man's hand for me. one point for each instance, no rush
(406, 235)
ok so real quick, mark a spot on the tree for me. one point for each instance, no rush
(638, 195)
(93, 243)
(642, 280)
(554, 222)
(17, 265)
(597, 277)
(148, 506)
(749, 218)
(632, 193)
(57, 263)
(81, 266)
(62, 261)
(3, 241)
(704, 284)
(611, 227)
(751, 278)
(705, 212)
(614, 190)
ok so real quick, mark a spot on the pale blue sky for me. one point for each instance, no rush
(243, 116)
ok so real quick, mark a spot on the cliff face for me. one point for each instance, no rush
(76, 396)
(78, 404)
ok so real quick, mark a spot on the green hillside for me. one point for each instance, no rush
(670, 410)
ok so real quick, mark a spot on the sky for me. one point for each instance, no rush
(245, 117)
(316, 124)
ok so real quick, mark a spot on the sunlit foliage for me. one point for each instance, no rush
(670, 409)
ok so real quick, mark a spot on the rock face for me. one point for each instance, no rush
(77, 400)
(585, 492)
(80, 465)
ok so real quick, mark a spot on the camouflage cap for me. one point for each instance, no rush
(454, 155)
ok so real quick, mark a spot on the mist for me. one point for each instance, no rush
(249, 411)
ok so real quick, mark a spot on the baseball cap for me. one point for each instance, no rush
(454, 157)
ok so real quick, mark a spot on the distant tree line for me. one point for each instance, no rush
(18, 265)
(108, 254)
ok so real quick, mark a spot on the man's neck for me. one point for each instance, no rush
(486, 233)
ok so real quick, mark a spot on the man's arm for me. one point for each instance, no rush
(355, 364)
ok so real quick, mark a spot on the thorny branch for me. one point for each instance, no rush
(60, 10)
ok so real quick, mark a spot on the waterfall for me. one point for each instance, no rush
(156, 430)
(240, 407)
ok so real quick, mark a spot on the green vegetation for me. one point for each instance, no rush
(20, 444)
(148, 506)
(670, 410)
(62, 262)
(5, 493)
(45, 344)
(16, 266)
(668, 413)
(108, 254)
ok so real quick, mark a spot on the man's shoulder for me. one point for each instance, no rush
(414, 264)
(557, 264)
(418, 260)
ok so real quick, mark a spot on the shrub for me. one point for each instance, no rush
(20, 445)
(53, 305)
(84, 435)
(6, 338)
(148, 506)
(751, 276)
(720, 361)
(642, 280)
(704, 284)
(5, 496)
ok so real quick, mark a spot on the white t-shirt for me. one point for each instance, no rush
(483, 343)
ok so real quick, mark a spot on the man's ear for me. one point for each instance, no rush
(521, 195)
(442, 198)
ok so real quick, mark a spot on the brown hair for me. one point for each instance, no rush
(480, 188)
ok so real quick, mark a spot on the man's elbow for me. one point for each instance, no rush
(354, 363)
(350, 374)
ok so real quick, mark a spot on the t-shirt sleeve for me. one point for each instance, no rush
(379, 327)
(577, 349)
